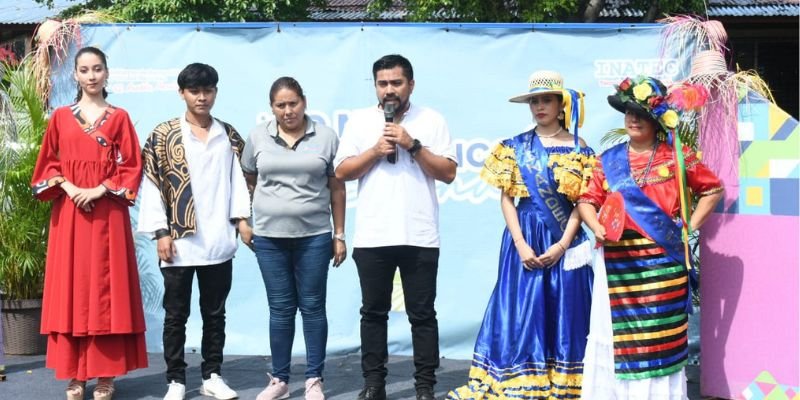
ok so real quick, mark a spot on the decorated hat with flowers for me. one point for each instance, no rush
(648, 97)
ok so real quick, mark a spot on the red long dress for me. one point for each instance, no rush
(92, 309)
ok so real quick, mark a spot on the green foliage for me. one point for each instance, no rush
(521, 11)
(418, 10)
(23, 220)
(200, 10)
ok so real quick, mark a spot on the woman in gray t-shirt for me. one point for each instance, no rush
(288, 163)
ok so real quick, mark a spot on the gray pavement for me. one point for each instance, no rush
(28, 379)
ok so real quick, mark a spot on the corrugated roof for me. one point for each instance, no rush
(31, 12)
(717, 8)
(355, 10)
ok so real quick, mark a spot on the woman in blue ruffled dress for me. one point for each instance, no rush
(532, 340)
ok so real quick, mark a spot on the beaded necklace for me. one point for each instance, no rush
(641, 179)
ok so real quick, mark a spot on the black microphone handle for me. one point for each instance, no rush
(391, 158)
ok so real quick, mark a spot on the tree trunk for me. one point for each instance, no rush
(652, 12)
(593, 8)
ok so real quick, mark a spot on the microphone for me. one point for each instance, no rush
(388, 115)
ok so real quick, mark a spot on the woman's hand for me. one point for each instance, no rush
(527, 256)
(599, 233)
(553, 254)
(85, 197)
(246, 233)
(339, 252)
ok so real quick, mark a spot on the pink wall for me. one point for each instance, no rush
(750, 301)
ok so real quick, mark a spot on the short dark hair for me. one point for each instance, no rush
(390, 61)
(197, 75)
(102, 56)
(285, 82)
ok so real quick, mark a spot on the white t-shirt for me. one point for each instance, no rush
(219, 192)
(397, 203)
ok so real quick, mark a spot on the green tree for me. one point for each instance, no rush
(530, 10)
(198, 10)
(418, 10)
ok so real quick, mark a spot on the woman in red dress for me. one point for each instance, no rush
(89, 166)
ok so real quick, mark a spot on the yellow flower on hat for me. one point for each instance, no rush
(670, 119)
(642, 90)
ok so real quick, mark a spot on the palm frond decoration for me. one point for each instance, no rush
(613, 137)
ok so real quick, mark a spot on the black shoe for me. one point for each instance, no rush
(373, 393)
(425, 393)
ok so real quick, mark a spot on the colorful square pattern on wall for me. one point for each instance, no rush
(769, 162)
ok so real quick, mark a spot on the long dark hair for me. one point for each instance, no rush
(101, 56)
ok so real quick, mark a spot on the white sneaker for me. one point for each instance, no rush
(176, 391)
(314, 389)
(217, 388)
(276, 389)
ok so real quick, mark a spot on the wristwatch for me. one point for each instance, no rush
(415, 148)
(339, 236)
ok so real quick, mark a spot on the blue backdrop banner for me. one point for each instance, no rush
(465, 71)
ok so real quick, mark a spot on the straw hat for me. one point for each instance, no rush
(541, 82)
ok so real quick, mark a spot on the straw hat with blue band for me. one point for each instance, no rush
(551, 82)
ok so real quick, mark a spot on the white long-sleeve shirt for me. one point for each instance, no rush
(220, 195)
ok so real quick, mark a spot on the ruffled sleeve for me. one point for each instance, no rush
(47, 176)
(123, 183)
(501, 170)
(597, 188)
(699, 178)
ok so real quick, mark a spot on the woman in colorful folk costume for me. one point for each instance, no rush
(531, 342)
(637, 347)
(89, 166)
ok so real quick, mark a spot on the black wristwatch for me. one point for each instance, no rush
(415, 148)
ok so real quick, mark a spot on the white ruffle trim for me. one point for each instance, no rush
(578, 256)
(599, 381)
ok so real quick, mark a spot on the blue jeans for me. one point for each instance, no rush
(295, 273)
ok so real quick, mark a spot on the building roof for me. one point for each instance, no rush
(31, 12)
(356, 10)
(717, 8)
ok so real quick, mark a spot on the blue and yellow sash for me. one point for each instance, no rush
(552, 207)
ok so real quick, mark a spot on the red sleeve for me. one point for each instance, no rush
(123, 183)
(47, 177)
(596, 191)
(699, 178)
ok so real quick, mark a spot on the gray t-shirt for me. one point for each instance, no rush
(291, 197)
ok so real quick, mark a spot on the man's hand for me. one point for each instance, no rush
(384, 147)
(339, 252)
(166, 248)
(398, 135)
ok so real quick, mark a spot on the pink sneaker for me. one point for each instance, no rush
(314, 389)
(276, 389)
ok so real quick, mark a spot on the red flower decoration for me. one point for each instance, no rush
(654, 101)
(625, 85)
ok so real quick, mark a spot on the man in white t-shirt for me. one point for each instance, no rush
(397, 218)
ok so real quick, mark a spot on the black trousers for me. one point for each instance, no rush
(214, 282)
(418, 270)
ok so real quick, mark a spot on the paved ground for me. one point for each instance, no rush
(28, 379)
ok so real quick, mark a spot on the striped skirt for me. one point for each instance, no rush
(648, 294)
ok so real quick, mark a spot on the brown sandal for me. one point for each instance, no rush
(104, 389)
(75, 389)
